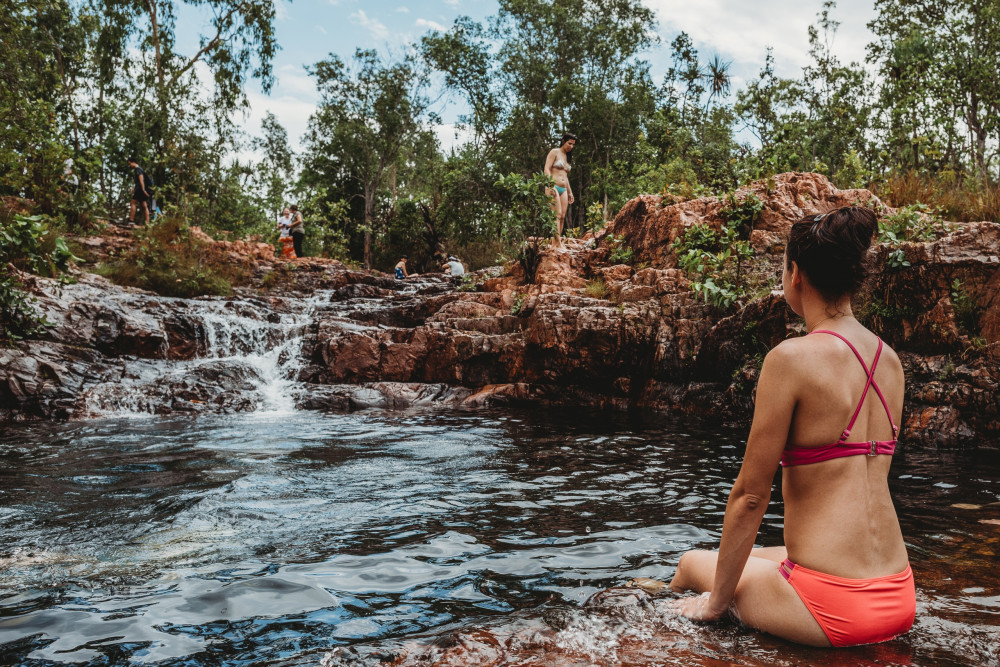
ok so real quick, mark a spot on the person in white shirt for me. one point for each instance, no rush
(284, 236)
(453, 266)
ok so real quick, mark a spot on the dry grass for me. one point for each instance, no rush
(953, 196)
(597, 289)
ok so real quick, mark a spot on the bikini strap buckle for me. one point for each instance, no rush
(874, 449)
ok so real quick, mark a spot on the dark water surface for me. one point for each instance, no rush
(272, 539)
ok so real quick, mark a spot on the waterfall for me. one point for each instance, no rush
(248, 356)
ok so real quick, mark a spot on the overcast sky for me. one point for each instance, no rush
(736, 30)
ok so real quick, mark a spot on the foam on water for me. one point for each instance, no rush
(265, 347)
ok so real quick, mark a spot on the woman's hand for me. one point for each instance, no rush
(698, 608)
(571, 198)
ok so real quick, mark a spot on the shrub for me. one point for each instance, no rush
(853, 174)
(916, 222)
(713, 261)
(967, 310)
(621, 253)
(168, 260)
(595, 217)
(18, 318)
(33, 244)
(531, 221)
(518, 304)
(740, 210)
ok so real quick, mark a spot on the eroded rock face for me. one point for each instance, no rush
(651, 223)
(586, 332)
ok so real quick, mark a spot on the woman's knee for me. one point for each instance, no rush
(691, 569)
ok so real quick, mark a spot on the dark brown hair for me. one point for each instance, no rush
(831, 249)
(566, 137)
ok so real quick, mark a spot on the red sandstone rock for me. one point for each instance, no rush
(650, 227)
(651, 343)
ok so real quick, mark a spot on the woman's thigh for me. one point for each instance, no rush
(563, 203)
(764, 600)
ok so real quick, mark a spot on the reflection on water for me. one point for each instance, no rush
(273, 540)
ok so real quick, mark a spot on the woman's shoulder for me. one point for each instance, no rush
(795, 355)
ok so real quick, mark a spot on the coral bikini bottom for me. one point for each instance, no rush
(855, 611)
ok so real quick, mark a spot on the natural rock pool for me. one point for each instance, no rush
(275, 538)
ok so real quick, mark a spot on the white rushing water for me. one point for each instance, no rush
(256, 349)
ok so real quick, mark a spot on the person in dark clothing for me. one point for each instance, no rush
(141, 193)
(297, 230)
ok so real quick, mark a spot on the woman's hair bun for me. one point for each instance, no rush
(831, 249)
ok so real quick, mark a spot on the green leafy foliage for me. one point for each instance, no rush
(621, 252)
(740, 210)
(18, 318)
(713, 259)
(518, 304)
(967, 308)
(26, 243)
(915, 222)
(530, 221)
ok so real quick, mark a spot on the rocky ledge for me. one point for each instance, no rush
(586, 331)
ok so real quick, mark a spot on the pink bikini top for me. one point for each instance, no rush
(797, 456)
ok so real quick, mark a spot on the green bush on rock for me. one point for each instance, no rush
(168, 260)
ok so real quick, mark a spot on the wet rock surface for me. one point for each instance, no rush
(366, 339)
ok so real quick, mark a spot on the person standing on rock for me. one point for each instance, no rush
(297, 230)
(557, 168)
(284, 236)
(827, 409)
(140, 192)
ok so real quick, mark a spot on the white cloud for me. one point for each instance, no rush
(451, 137)
(431, 25)
(281, 9)
(321, 29)
(742, 31)
(453, 3)
(376, 27)
(402, 10)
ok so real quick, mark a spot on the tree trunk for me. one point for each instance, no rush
(369, 206)
(161, 92)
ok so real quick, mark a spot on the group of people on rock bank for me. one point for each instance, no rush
(453, 267)
(291, 233)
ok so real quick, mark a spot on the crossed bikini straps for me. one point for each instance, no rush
(794, 455)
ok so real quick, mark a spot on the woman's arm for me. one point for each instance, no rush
(549, 160)
(748, 500)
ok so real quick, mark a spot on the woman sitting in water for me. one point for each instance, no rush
(843, 577)
(557, 167)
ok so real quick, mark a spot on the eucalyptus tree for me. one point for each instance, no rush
(940, 56)
(540, 68)
(41, 55)
(370, 114)
(274, 173)
(147, 92)
(811, 123)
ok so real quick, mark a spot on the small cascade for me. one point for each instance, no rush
(248, 356)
